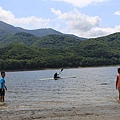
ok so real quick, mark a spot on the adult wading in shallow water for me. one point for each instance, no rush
(2, 86)
(118, 82)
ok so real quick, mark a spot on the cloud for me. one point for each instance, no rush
(82, 3)
(6, 15)
(57, 12)
(25, 22)
(117, 13)
(75, 22)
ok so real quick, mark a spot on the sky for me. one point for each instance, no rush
(83, 18)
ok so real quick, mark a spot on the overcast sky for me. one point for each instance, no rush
(84, 18)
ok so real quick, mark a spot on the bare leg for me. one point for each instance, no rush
(0, 98)
(3, 95)
(3, 98)
(119, 96)
(119, 92)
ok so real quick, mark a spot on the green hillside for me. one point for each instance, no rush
(49, 41)
(24, 38)
(56, 41)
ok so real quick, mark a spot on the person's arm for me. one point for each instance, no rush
(116, 82)
(5, 87)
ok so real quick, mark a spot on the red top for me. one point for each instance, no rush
(118, 78)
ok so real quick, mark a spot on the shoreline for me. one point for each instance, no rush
(19, 70)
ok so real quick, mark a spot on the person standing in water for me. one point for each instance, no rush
(2, 86)
(118, 82)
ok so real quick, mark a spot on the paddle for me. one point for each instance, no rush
(56, 75)
(60, 71)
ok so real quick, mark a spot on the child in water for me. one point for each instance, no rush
(118, 82)
(2, 86)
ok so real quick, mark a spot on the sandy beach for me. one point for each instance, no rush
(88, 112)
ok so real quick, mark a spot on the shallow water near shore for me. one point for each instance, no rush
(90, 86)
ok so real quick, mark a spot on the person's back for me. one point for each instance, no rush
(2, 83)
(118, 83)
(55, 75)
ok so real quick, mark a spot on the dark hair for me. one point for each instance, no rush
(2, 72)
(118, 70)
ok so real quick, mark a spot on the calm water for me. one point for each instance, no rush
(27, 90)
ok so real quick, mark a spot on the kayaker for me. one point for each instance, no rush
(56, 76)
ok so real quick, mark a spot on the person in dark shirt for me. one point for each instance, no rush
(56, 76)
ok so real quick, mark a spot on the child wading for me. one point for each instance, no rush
(2, 86)
(118, 82)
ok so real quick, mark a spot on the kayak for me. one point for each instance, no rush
(58, 78)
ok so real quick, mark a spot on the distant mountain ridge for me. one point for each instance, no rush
(9, 29)
(40, 32)
(37, 32)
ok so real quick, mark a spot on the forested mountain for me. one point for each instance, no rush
(49, 41)
(22, 50)
(9, 29)
(38, 32)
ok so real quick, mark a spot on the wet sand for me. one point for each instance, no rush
(85, 112)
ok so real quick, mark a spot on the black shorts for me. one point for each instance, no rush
(2, 92)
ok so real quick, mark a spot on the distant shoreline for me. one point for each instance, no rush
(57, 68)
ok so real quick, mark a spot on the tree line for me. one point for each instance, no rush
(101, 51)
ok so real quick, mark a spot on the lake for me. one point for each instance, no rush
(30, 89)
